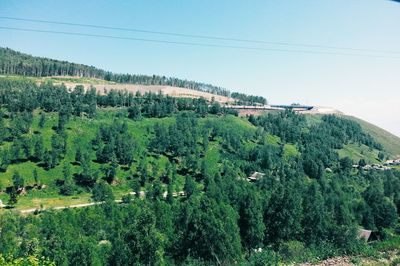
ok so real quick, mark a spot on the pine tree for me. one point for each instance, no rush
(47, 160)
(38, 148)
(42, 119)
(170, 193)
(18, 181)
(190, 187)
(36, 176)
(4, 160)
(13, 197)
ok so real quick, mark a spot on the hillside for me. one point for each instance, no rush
(17, 63)
(390, 142)
(162, 180)
(103, 86)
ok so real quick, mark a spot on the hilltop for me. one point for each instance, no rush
(17, 63)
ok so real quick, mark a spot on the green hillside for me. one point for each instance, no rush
(81, 132)
(181, 181)
(390, 142)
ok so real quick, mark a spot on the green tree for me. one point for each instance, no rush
(315, 222)
(142, 242)
(170, 192)
(36, 176)
(68, 187)
(251, 222)
(284, 214)
(42, 119)
(134, 112)
(47, 160)
(190, 187)
(4, 160)
(102, 192)
(13, 197)
(208, 230)
(381, 209)
(66, 171)
(18, 181)
(157, 191)
(38, 148)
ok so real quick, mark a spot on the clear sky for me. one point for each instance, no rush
(368, 87)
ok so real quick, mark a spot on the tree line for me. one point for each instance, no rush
(16, 63)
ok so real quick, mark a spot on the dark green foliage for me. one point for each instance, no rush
(134, 112)
(316, 217)
(38, 147)
(115, 144)
(18, 181)
(102, 192)
(13, 197)
(248, 99)
(4, 159)
(381, 211)
(190, 186)
(212, 226)
(87, 176)
(284, 214)
(251, 222)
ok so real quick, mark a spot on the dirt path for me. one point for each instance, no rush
(82, 205)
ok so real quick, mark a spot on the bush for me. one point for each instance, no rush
(292, 250)
(102, 192)
(323, 250)
(67, 189)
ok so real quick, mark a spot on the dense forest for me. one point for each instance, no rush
(16, 63)
(180, 167)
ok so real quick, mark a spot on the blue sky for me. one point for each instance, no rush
(368, 87)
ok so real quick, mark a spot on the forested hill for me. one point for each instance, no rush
(191, 162)
(17, 63)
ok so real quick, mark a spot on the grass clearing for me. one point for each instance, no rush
(357, 152)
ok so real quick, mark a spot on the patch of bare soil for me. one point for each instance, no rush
(168, 90)
(386, 258)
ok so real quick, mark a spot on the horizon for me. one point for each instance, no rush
(349, 83)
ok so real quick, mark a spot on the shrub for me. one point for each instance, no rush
(292, 250)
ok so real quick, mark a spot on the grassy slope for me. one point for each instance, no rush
(81, 131)
(357, 152)
(390, 142)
